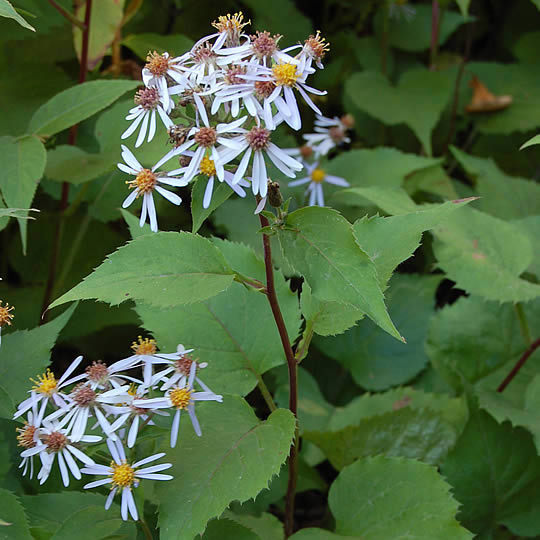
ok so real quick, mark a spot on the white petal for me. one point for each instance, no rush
(130, 159)
(152, 127)
(171, 197)
(97, 483)
(148, 460)
(174, 428)
(134, 125)
(133, 431)
(63, 469)
(207, 199)
(130, 198)
(152, 212)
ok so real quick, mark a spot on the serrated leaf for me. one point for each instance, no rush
(234, 459)
(235, 331)
(393, 200)
(88, 523)
(226, 528)
(164, 269)
(431, 180)
(321, 534)
(319, 244)
(199, 214)
(372, 499)
(266, 526)
(133, 223)
(23, 162)
(494, 472)
(142, 44)
(16, 527)
(67, 163)
(418, 100)
(531, 227)
(25, 354)
(485, 256)
(76, 104)
(7, 10)
(376, 361)
(501, 195)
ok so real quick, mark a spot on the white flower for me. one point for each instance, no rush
(146, 181)
(124, 476)
(314, 49)
(257, 142)
(47, 388)
(85, 402)
(148, 101)
(401, 8)
(157, 67)
(5, 316)
(316, 178)
(28, 437)
(181, 398)
(54, 441)
(330, 132)
(205, 138)
(100, 375)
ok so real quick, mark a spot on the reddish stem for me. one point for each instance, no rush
(293, 382)
(435, 18)
(520, 363)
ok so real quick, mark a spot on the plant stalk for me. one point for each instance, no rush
(519, 364)
(435, 20)
(523, 322)
(69, 16)
(293, 382)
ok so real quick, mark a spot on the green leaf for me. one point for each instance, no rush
(501, 195)
(321, 534)
(392, 200)
(88, 524)
(391, 240)
(531, 142)
(199, 214)
(235, 331)
(433, 180)
(76, 104)
(485, 256)
(133, 223)
(418, 100)
(16, 522)
(319, 244)
(164, 269)
(376, 361)
(384, 497)
(464, 6)
(19, 213)
(531, 227)
(266, 526)
(7, 10)
(142, 44)
(494, 472)
(525, 48)
(26, 354)
(234, 459)
(219, 529)
(382, 167)
(23, 162)
(67, 163)
(105, 20)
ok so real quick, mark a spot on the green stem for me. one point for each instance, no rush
(384, 39)
(146, 530)
(522, 318)
(267, 396)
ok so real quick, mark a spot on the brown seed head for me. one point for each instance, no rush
(84, 396)
(306, 151)
(263, 44)
(25, 436)
(55, 442)
(5, 315)
(98, 372)
(264, 88)
(206, 137)
(316, 46)
(157, 64)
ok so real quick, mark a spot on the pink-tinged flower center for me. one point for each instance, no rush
(206, 137)
(232, 75)
(258, 138)
(84, 396)
(306, 151)
(183, 364)
(316, 46)
(55, 441)
(157, 64)
(263, 44)
(205, 55)
(336, 134)
(147, 98)
(264, 88)
(98, 372)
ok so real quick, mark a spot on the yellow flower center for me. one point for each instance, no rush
(157, 64)
(132, 390)
(180, 397)
(45, 384)
(5, 315)
(144, 346)
(26, 436)
(318, 175)
(232, 24)
(285, 74)
(144, 182)
(123, 475)
(207, 166)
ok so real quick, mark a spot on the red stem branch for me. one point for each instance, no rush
(293, 383)
(520, 363)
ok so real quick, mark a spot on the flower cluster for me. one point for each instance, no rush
(231, 91)
(5, 316)
(60, 413)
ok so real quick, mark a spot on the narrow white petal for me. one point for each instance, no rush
(194, 421)
(63, 469)
(97, 483)
(207, 199)
(134, 125)
(152, 213)
(174, 428)
(152, 127)
(133, 431)
(130, 159)
(148, 459)
(110, 498)
(129, 199)
(169, 195)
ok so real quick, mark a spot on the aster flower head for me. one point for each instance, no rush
(232, 26)
(100, 375)
(145, 183)
(124, 477)
(158, 68)
(28, 437)
(5, 316)
(329, 133)
(314, 49)
(181, 398)
(315, 180)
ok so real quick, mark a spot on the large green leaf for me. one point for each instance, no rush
(234, 459)
(25, 354)
(463, 6)
(485, 256)
(23, 162)
(225, 528)
(319, 244)
(199, 214)
(531, 227)
(494, 472)
(12, 513)
(7, 10)
(382, 497)
(321, 534)
(418, 100)
(142, 44)
(234, 332)
(501, 195)
(76, 104)
(376, 361)
(164, 269)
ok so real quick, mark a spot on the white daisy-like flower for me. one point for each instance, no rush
(401, 8)
(5, 316)
(148, 102)
(316, 178)
(257, 141)
(330, 132)
(100, 375)
(206, 138)
(145, 183)
(314, 49)
(156, 70)
(28, 437)
(124, 477)
(47, 389)
(54, 441)
(85, 402)
(181, 398)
